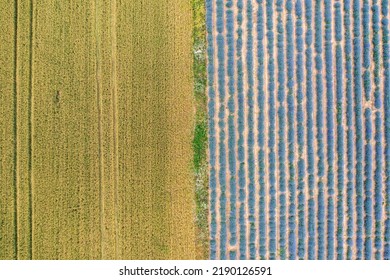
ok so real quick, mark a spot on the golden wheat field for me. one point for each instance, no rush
(96, 124)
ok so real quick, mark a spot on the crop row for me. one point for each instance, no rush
(212, 131)
(281, 131)
(221, 125)
(340, 133)
(261, 132)
(386, 105)
(320, 140)
(241, 120)
(350, 127)
(368, 185)
(378, 180)
(378, 123)
(357, 73)
(231, 127)
(329, 126)
(291, 131)
(368, 133)
(251, 138)
(300, 131)
(271, 127)
(310, 129)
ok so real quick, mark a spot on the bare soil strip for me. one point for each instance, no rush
(266, 120)
(305, 116)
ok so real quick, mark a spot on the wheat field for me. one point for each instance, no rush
(96, 127)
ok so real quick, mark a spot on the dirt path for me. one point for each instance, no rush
(266, 128)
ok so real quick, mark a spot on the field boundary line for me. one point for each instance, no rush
(30, 128)
(15, 129)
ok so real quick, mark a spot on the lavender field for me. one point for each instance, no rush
(299, 129)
